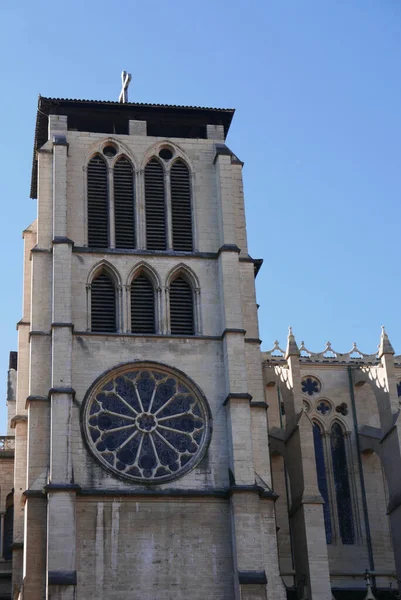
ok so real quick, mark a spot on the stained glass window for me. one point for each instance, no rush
(342, 485)
(399, 388)
(146, 423)
(322, 480)
(310, 386)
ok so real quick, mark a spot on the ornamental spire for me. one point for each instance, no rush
(292, 347)
(385, 346)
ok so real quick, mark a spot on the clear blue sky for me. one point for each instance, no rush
(317, 89)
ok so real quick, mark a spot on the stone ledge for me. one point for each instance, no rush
(61, 390)
(60, 239)
(252, 577)
(18, 419)
(62, 578)
(59, 324)
(233, 330)
(253, 341)
(61, 487)
(237, 396)
(59, 140)
(228, 248)
(34, 398)
(152, 493)
(259, 405)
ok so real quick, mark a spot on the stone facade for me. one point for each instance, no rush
(245, 521)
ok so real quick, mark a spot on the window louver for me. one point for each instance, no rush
(181, 307)
(124, 204)
(142, 305)
(155, 206)
(98, 209)
(181, 212)
(103, 304)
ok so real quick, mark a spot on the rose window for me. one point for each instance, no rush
(310, 385)
(146, 423)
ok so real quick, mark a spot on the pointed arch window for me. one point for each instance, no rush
(181, 307)
(181, 210)
(124, 214)
(103, 304)
(322, 480)
(342, 485)
(98, 205)
(155, 206)
(142, 305)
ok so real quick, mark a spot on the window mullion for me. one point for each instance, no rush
(169, 218)
(140, 218)
(112, 232)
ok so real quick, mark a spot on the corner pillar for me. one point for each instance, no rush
(306, 514)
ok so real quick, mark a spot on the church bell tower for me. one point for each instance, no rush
(142, 461)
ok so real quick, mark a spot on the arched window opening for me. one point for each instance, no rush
(181, 212)
(142, 305)
(103, 304)
(124, 215)
(98, 205)
(322, 480)
(8, 532)
(342, 485)
(181, 307)
(155, 206)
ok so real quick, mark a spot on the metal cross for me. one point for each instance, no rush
(125, 78)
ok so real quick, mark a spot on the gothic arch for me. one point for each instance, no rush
(188, 275)
(97, 147)
(154, 150)
(146, 268)
(106, 268)
(186, 272)
(320, 423)
(104, 265)
(339, 421)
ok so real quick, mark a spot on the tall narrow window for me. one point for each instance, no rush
(142, 305)
(181, 212)
(155, 206)
(103, 304)
(124, 218)
(8, 532)
(181, 307)
(322, 480)
(98, 205)
(342, 485)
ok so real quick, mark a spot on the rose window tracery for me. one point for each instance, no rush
(146, 423)
(310, 385)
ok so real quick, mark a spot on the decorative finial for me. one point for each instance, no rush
(292, 348)
(125, 78)
(385, 346)
(369, 595)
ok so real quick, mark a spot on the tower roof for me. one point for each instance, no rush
(103, 116)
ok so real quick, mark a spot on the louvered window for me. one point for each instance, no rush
(155, 206)
(98, 206)
(142, 305)
(103, 304)
(124, 218)
(181, 212)
(181, 307)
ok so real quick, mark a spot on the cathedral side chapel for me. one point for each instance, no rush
(153, 451)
